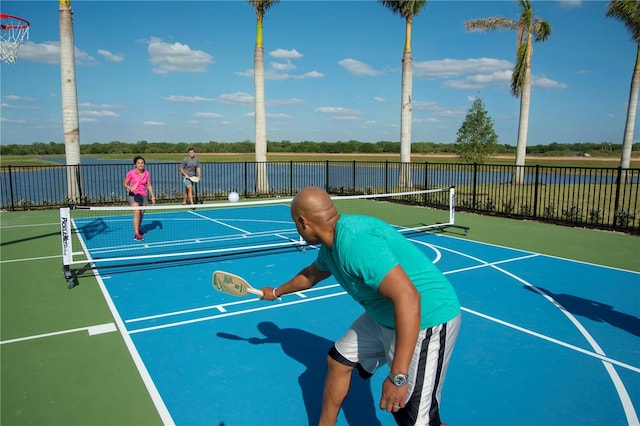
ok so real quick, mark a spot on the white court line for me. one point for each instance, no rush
(158, 402)
(552, 340)
(93, 330)
(230, 314)
(219, 222)
(29, 259)
(623, 394)
(30, 226)
(220, 307)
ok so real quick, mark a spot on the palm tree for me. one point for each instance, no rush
(262, 184)
(628, 12)
(529, 28)
(408, 9)
(70, 124)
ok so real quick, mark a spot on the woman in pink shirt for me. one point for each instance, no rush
(138, 182)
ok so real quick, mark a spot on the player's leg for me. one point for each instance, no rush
(359, 348)
(187, 185)
(136, 221)
(427, 373)
(336, 388)
(190, 193)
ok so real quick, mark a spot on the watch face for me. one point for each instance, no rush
(398, 379)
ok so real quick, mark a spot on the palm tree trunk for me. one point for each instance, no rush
(262, 185)
(404, 177)
(69, 103)
(629, 127)
(523, 128)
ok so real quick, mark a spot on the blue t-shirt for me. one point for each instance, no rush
(365, 249)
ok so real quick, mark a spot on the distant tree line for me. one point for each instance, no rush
(340, 147)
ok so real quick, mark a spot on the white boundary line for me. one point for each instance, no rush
(162, 409)
(623, 394)
(29, 259)
(93, 330)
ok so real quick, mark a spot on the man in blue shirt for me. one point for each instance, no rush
(412, 314)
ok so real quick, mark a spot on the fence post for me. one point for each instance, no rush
(13, 208)
(474, 191)
(353, 177)
(290, 177)
(616, 204)
(326, 175)
(79, 182)
(246, 181)
(426, 174)
(535, 191)
(386, 177)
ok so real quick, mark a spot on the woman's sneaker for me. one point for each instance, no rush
(138, 237)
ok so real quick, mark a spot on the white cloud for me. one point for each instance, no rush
(547, 83)
(207, 115)
(282, 102)
(111, 57)
(176, 57)
(100, 106)
(279, 66)
(358, 68)
(154, 123)
(477, 81)
(336, 111)
(569, 4)
(447, 68)
(16, 98)
(94, 113)
(273, 74)
(475, 73)
(285, 54)
(48, 52)
(186, 99)
(238, 98)
(279, 116)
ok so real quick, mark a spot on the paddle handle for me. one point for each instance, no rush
(255, 291)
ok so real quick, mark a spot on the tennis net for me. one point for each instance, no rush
(102, 237)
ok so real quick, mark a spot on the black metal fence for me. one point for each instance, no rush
(604, 198)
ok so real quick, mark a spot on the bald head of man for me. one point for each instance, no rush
(315, 215)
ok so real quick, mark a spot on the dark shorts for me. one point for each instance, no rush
(137, 198)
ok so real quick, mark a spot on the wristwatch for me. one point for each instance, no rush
(398, 379)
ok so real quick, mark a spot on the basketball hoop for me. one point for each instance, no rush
(13, 32)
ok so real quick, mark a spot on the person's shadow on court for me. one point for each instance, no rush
(311, 351)
(156, 224)
(595, 311)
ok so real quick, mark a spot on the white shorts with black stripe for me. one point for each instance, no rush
(367, 345)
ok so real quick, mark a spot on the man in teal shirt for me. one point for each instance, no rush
(412, 314)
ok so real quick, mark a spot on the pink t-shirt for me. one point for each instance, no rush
(134, 177)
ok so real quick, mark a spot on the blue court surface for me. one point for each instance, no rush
(544, 340)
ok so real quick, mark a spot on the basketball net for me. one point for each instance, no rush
(13, 32)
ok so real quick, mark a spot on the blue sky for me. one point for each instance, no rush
(181, 71)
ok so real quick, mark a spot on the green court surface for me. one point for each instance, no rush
(61, 364)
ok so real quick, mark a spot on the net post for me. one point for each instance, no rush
(67, 250)
(452, 204)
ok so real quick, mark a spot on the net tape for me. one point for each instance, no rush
(13, 32)
(276, 234)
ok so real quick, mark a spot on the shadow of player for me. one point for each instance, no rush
(595, 311)
(311, 350)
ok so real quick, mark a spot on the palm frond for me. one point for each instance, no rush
(408, 9)
(261, 6)
(541, 30)
(490, 24)
(627, 12)
(517, 78)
